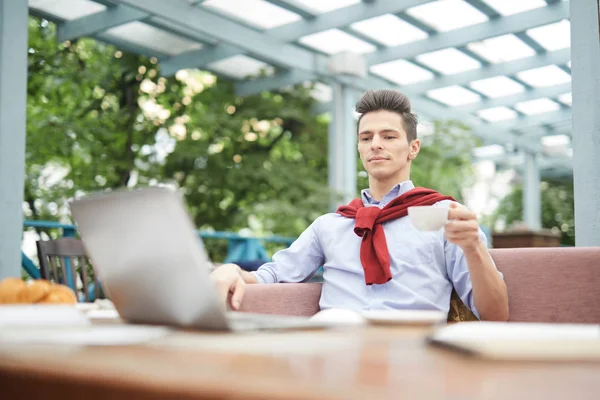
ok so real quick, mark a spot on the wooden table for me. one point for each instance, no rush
(350, 363)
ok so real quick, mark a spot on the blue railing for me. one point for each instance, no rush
(239, 248)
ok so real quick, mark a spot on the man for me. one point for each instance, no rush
(373, 257)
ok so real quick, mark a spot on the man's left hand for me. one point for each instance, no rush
(462, 228)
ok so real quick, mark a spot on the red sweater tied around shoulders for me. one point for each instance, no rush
(374, 254)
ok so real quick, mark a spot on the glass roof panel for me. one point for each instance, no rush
(509, 7)
(257, 13)
(67, 9)
(240, 67)
(495, 114)
(447, 15)
(493, 150)
(402, 72)
(544, 76)
(449, 61)
(552, 37)
(153, 38)
(389, 30)
(566, 98)
(501, 48)
(454, 95)
(321, 6)
(555, 140)
(497, 86)
(537, 106)
(334, 41)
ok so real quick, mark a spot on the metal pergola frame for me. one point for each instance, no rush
(223, 37)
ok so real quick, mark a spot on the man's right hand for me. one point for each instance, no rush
(231, 279)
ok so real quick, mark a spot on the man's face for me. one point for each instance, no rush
(382, 144)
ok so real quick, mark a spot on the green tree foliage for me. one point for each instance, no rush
(83, 118)
(557, 209)
(99, 118)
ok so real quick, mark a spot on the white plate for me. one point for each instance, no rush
(405, 317)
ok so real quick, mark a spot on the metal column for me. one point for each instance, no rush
(342, 146)
(585, 58)
(13, 92)
(532, 196)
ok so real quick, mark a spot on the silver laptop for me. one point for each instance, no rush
(148, 257)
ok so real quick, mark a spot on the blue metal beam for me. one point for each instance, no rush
(98, 22)
(464, 49)
(124, 45)
(525, 38)
(417, 23)
(13, 102)
(509, 101)
(557, 173)
(285, 78)
(492, 70)
(202, 57)
(295, 8)
(362, 37)
(106, 3)
(178, 30)
(462, 36)
(484, 8)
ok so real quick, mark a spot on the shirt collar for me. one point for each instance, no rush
(396, 191)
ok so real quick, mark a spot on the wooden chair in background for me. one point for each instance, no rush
(59, 256)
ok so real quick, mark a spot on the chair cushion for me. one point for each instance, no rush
(552, 284)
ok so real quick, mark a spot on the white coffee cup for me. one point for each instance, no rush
(428, 218)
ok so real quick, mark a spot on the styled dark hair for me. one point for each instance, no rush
(389, 100)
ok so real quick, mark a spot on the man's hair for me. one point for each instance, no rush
(389, 100)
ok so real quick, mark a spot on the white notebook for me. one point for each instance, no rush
(521, 341)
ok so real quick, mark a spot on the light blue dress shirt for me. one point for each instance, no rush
(424, 265)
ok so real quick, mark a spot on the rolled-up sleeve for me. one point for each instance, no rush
(297, 263)
(458, 272)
